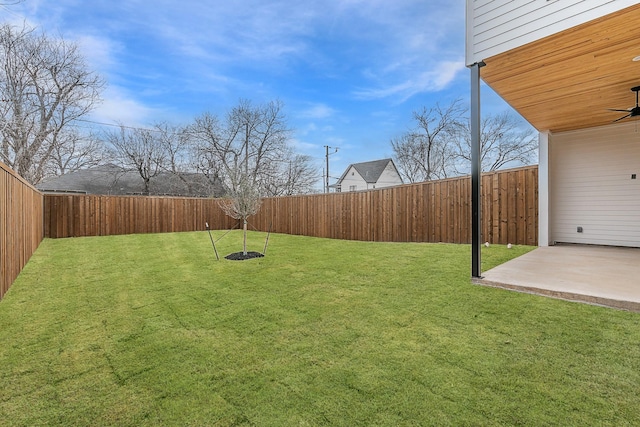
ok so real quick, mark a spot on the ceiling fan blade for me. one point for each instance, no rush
(615, 109)
(623, 117)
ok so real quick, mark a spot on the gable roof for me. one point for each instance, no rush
(369, 171)
(115, 180)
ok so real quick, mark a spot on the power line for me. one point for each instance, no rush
(121, 126)
(10, 12)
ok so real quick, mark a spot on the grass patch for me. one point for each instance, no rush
(152, 330)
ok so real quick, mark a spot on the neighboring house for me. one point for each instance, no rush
(563, 65)
(114, 180)
(369, 175)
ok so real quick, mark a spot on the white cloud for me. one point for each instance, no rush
(98, 51)
(306, 147)
(120, 107)
(427, 81)
(251, 32)
(317, 111)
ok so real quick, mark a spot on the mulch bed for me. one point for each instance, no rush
(239, 256)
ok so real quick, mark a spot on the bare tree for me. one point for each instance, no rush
(503, 141)
(295, 174)
(140, 150)
(207, 148)
(176, 143)
(426, 153)
(74, 151)
(242, 202)
(247, 145)
(44, 86)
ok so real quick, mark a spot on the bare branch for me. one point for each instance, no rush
(243, 202)
(504, 140)
(251, 143)
(425, 153)
(45, 85)
(73, 151)
(140, 150)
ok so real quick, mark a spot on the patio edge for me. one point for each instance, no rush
(567, 296)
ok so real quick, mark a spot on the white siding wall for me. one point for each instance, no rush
(388, 178)
(496, 26)
(591, 185)
(353, 178)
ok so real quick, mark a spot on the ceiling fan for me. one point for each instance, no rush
(633, 111)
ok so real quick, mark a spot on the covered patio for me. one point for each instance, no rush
(571, 69)
(601, 275)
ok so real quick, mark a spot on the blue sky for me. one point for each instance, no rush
(350, 72)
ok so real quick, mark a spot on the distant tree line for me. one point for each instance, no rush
(439, 146)
(250, 145)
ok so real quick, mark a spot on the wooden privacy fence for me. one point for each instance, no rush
(20, 225)
(435, 211)
(91, 215)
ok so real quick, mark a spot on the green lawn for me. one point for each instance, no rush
(152, 330)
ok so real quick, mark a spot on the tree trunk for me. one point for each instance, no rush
(244, 243)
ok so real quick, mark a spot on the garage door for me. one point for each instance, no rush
(595, 186)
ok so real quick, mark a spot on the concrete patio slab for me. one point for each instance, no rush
(608, 276)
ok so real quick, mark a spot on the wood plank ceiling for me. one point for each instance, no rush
(568, 80)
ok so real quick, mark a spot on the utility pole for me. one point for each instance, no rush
(327, 154)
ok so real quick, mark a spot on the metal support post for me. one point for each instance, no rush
(476, 170)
